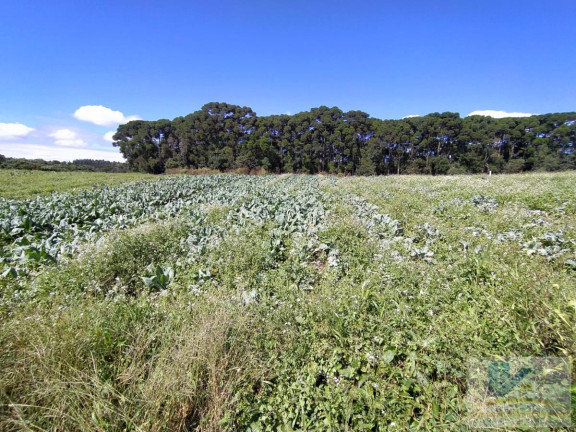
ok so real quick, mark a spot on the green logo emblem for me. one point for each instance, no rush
(500, 382)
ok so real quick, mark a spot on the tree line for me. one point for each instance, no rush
(89, 165)
(228, 137)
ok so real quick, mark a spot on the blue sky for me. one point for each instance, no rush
(114, 60)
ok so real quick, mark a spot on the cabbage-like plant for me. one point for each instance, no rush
(160, 278)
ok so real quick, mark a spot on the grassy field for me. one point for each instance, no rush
(278, 302)
(20, 184)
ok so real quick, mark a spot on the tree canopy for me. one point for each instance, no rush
(225, 137)
(90, 165)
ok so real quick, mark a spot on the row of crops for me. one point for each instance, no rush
(276, 303)
(44, 230)
(49, 231)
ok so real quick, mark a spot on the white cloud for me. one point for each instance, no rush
(499, 114)
(102, 116)
(13, 130)
(411, 116)
(38, 151)
(63, 134)
(108, 136)
(67, 138)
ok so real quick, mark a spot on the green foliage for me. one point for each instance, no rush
(514, 166)
(90, 165)
(440, 165)
(21, 184)
(159, 279)
(226, 137)
(266, 303)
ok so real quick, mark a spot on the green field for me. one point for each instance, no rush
(230, 302)
(19, 184)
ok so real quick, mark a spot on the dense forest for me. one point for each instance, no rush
(228, 137)
(90, 165)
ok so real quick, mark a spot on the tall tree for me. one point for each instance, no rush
(224, 137)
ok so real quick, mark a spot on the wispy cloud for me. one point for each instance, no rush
(108, 136)
(46, 152)
(14, 130)
(411, 116)
(63, 142)
(67, 138)
(102, 116)
(499, 114)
